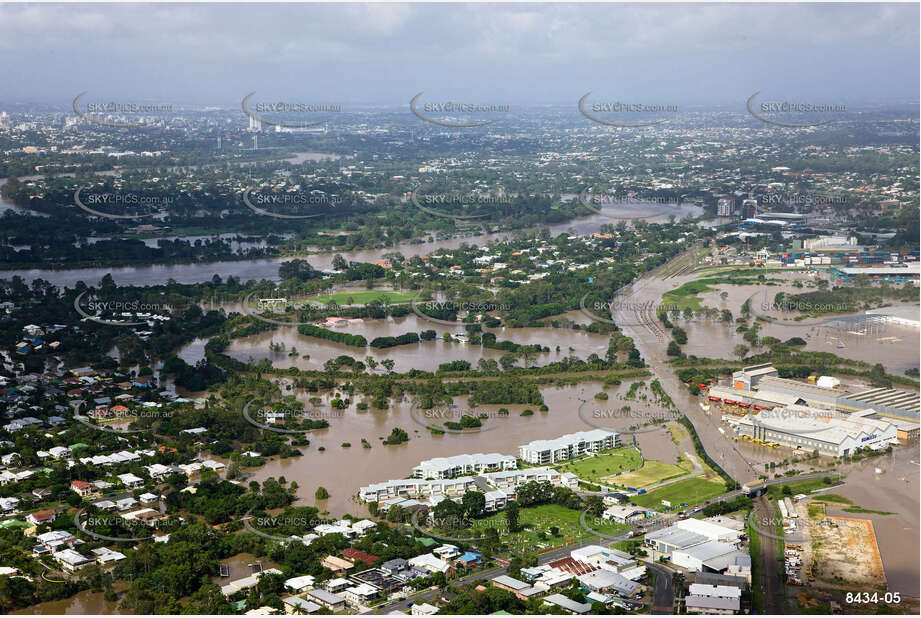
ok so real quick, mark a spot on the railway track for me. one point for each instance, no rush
(651, 321)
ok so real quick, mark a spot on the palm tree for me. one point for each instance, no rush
(678, 582)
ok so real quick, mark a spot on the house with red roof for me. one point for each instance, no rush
(356, 554)
(83, 488)
(42, 517)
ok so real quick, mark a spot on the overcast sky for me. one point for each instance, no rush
(512, 53)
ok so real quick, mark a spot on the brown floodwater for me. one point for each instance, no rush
(343, 470)
(849, 336)
(895, 489)
(267, 268)
(240, 567)
(425, 355)
(85, 602)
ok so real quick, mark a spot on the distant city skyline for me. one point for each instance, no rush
(516, 54)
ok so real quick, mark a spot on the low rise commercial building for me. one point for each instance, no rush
(509, 583)
(604, 580)
(665, 541)
(568, 604)
(627, 514)
(697, 557)
(711, 530)
(709, 599)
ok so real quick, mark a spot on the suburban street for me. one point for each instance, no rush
(663, 600)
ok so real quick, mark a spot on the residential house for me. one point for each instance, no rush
(42, 517)
(337, 585)
(430, 564)
(300, 584)
(326, 599)
(299, 607)
(359, 595)
(336, 564)
(71, 560)
(130, 480)
(83, 488)
(423, 609)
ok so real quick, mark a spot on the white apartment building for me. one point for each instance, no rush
(416, 488)
(510, 479)
(460, 465)
(505, 481)
(570, 446)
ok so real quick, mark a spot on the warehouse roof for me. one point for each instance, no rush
(567, 603)
(906, 400)
(819, 424)
(676, 536)
(709, 529)
(711, 602)
(709, 550)
(706, 590)
(771, 383)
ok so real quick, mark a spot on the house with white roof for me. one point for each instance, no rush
(71, 560)
(130, 480)
(363, 526)
(423, 609)
(360, 594)
(428, 562)
(105, 556)
(300, 584)
(55, 538)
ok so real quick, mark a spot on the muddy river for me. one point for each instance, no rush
(267, 268)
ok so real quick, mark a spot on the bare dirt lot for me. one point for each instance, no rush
(845, 552)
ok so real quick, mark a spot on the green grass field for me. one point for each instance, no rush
(595, 468)
(538, 519)
(691, 491)
(651, 473)
(799, 487)
(685, 297)
(363, 297)
(832, 498)
(860, 509)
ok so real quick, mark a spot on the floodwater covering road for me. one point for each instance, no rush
(648, 337)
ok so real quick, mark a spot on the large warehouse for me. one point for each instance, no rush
(822, 430)
(759, 388)
(902, 405)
